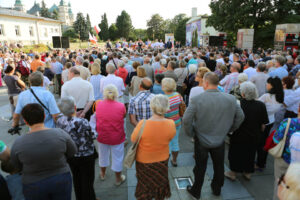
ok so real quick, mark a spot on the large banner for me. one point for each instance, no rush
(190, 28)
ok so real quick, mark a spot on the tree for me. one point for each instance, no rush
(261, 15)
(156, 27)
(44, 12)
(124, 24)
(80, 27)
(180, 31)
(113, 32)
(55, 14)
(88, 24)
(104, 33)
(174, 23)
(71, 33)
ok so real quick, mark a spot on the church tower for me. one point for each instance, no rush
(71, 16)
(19, 6)
(64, 13)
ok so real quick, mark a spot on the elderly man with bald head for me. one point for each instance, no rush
(139, 106)
(231, 80)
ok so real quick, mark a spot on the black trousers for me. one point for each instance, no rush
(261, 153)
(242, 157)
(83, 171)
(58, 82)
(201, 156)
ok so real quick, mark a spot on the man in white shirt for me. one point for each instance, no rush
(112, 79)
(84, 72)
(81, 90)
(250, 71)
(292, 102)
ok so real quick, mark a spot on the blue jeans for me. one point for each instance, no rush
(174, 143)
(58, 187)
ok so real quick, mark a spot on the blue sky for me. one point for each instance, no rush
(139, 10)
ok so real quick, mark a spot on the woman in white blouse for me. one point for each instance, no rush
(273, 100)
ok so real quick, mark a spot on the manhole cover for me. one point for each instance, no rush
(183, 182)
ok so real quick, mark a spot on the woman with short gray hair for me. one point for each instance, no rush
(235, 91)
(110, 116)
(152, 155)
(83, 163)
(244, 141)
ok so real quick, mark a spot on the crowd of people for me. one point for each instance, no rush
(76, 104)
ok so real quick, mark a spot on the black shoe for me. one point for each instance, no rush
(189, 189)
(216, 192)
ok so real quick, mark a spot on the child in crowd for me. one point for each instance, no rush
(14, 181)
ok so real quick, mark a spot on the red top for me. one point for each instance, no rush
(122, 73)
(110, 122)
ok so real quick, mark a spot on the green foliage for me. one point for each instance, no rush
(156, 27)
(70, 33)
(124, 25)
(44, 12)
(180, 31)
(80, 27)
(195, 39)
(88, 24)
(55, 14)
(113, 32)
(104, 33)
(261, 15)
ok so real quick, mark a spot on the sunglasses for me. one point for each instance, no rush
(282, 182)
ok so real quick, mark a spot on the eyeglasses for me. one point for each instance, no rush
(282, 182)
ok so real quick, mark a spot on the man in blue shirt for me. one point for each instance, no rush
(26, 97)
(297, 67)
(280, 71)
(57, 69)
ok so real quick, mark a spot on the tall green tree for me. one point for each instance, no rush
(44, 12)
(113, 32)
(180, 31)
(104, 33)
(55, 14)
(80, 26)
(174, 23)
(124, 24)
(156, 27)
(88, 23)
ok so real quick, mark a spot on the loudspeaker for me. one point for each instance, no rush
(56, 42)
(215, 41)
(65, 42)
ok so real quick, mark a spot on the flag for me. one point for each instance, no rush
(93, 39)
(97, 29)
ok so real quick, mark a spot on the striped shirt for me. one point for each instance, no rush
(229, 81)
(173, 113)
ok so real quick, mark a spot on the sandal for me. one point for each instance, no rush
(102, 177)
(174, 164)
(123, 178)
(230, 176)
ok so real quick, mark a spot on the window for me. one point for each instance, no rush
(56, 30)
(46, 32)
(51, 30)
(31, 31)
(17, 30)
(1, 29)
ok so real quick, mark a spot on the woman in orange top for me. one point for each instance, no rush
(153, 152)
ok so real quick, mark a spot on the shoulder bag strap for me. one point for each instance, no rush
(141, 132)
(287, 129)
(31, 90)
(115, 64)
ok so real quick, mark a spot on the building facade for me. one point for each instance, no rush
(19, 27)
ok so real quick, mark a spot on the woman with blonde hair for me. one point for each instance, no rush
(136, 81)
(111, 135)
(289, 184)
(152, 155)
(175, 99)
(199, 78)
(96, 79)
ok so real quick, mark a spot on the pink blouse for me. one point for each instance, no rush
(110, 122)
